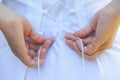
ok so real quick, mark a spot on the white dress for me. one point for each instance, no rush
(57, 18)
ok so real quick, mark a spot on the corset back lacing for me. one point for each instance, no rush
(44, 12)
(70, 11)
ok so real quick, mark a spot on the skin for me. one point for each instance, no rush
(23, 40)
(99, 34)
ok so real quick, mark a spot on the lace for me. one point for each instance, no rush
(45, 13)
(39, 62)
(38, 65)
(83, 58)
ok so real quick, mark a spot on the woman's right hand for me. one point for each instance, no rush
(99, 34)
(16, 29)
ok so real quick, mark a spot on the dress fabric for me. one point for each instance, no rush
(0, 1)
(55, 19)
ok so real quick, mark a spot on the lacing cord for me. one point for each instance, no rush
(81, 43)
(83, 61)
(69, 12)
(38, 62)
(83, 58)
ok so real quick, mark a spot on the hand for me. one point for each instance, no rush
(16, 29)
(99, 34)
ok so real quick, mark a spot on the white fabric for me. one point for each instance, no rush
(61, 63)
(0, 1)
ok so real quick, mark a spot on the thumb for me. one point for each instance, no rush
(37, 38)
(32, 34)
(90, 28)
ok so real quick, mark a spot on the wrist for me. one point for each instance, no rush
(4, 19)
(115, 4)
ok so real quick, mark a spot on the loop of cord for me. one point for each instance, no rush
(39, 62)
(81, 44)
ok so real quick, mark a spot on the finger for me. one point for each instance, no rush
(29, 61)
(79, 45)
(30, 44)
(32, 53)
(27, 44)
(93, 46)
(70, 43)
(95, 55)
(30, 32)
(36, 60)
(103, 47)
(25, 57)
(42, 53)
(73, 45)
(99, 51)
(71, 37)
(37, 38)
(45, 48)
(33, 46)
(87, 40)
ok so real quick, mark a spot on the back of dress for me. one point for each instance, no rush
(54, 19)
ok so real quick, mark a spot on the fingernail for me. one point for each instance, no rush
(44, 49)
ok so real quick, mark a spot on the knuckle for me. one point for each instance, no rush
(48, 42)
(91, 59)
(28, 64)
